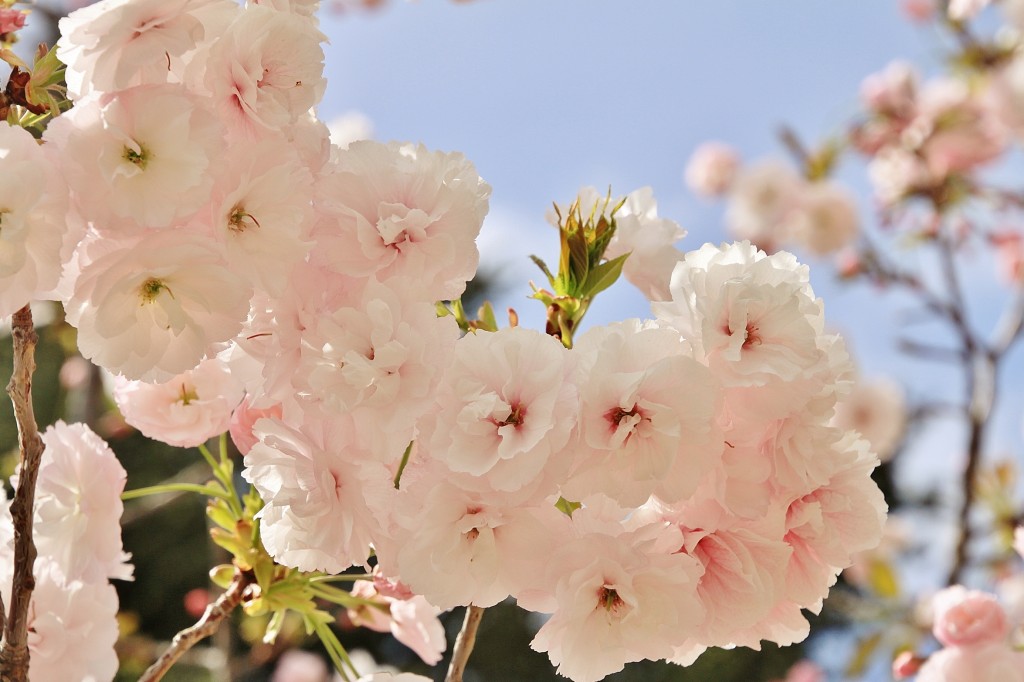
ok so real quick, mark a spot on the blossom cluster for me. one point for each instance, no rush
(657, 486)
(772, 205)
(77, 531)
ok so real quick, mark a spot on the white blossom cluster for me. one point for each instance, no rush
(661, 487)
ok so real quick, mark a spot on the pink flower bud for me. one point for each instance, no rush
(11, 20)
(918, 11)
(906, 665)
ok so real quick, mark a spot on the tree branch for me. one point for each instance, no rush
(464, 644)
(14, 655)
(204, 627)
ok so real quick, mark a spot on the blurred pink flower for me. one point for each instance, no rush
(968, 617)
(711, 169)
(11, 19)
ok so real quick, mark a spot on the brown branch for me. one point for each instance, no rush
(14, 654)
(464, 644)
(204, 627)
(980, 367)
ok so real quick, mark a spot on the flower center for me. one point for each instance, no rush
(151, 289)
(515, 416)
(187, 395)
(751, 336)
(137, 157)
(240, 220)
(610, 600)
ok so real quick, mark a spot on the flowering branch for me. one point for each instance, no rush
(204, 627)
(464, 644)
(14, 656)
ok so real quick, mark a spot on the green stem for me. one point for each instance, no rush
(222, 471)
(207, 490)
(404, 462)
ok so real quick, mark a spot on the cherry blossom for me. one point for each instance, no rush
(506, 408)
(712, 169)
(138, 158)
(617, 604)
(264, 72)
(33, 235)
(401, 210)
(186, 410)
(322, 497)
(115, 44)
(151, 309)
(78, 505)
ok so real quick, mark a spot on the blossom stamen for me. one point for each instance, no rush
(151, 289)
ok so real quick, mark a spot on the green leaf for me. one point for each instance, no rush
(566, 507)
(603, 276)
(543, 268)
(579, 260)
(486, 319)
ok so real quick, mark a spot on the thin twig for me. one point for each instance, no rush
(1010, 326)
(464, 644)
(14, 655)
(204, 627)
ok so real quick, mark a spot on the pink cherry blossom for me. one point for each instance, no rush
(264, 72)
(184, 411)
(616, 605)
(875, 408)
(827, 525)
(968, 617)
(139, 158)
(115, 44)
(384, 353)
(647, 415)
(824, 220)
(649, 242)
(151, 309)
(244, 418)
(412, 620)
(78, 506)
(760, 200)
(712, 169)
(323, 499)
(33, 231)
(401, 210)
(506, 408)
(73, 627)
(955, 130)
(751, 317)
(261, 211)
(744, 569)
(994, 661)
(458, 547)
